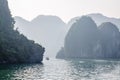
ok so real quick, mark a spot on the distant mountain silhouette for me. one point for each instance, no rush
(22, 25)
(99, 19)
(45, 29)
(50, 30)
(85, 40)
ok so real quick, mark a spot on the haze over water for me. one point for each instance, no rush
(83, 41)
(56, 69)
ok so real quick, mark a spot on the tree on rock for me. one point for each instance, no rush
(15, 47)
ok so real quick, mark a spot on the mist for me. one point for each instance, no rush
(50, 31)
(46, 30)
(59, 40)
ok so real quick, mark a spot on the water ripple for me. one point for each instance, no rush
(63, 70)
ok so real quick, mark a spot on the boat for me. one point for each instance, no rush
(47, 58)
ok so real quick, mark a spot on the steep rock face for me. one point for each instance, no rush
(110, 40)
(81, 38)
(86, 40)
(15, 47)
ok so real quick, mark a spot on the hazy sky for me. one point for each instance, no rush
(65, 9)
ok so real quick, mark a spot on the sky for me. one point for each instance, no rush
(65, 9)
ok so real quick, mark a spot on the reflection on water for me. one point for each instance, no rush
(63, 70)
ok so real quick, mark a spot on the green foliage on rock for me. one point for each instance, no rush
(15, 47)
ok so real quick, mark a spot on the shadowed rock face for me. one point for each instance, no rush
(81, 37)
(85, 40)
(110, 40)
(15, 47)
